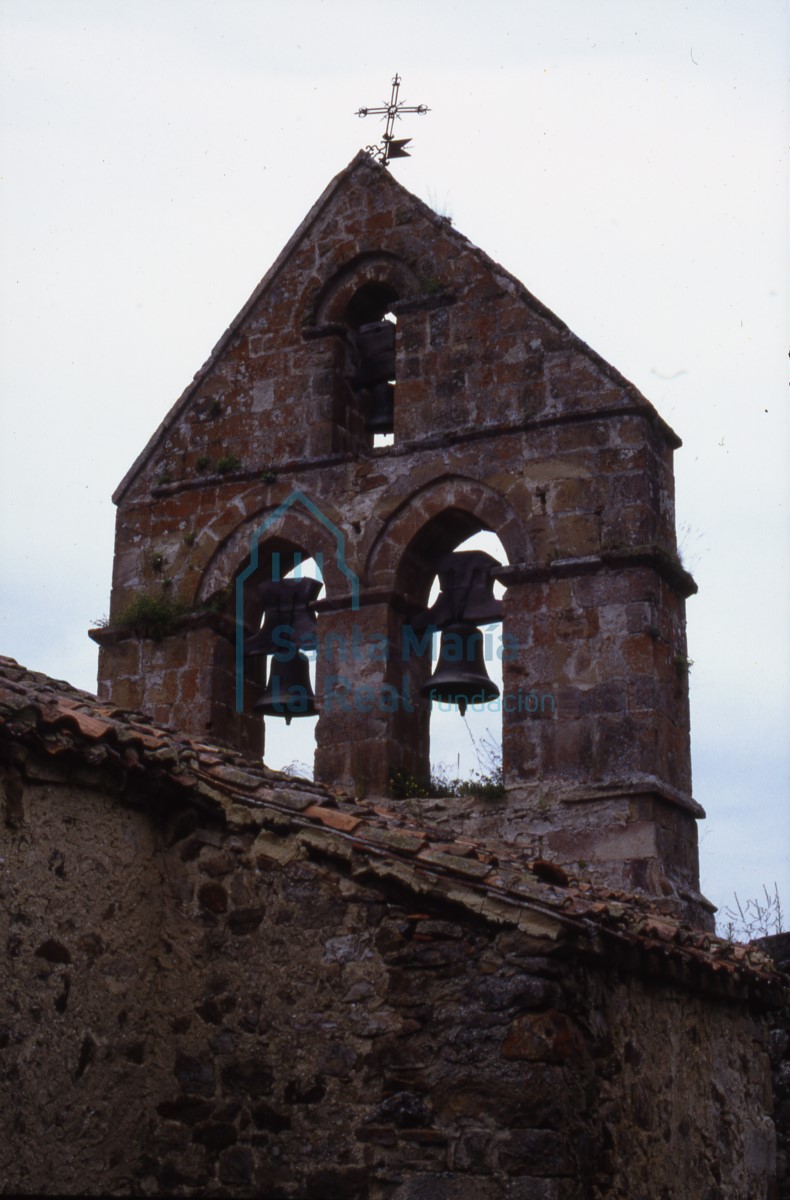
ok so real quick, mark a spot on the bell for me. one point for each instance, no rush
(466, 580)
(288, 616)
(460, 676)
(381, 413)
(375, 346)
(289, 692)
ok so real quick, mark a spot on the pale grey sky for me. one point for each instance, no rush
(624, 158)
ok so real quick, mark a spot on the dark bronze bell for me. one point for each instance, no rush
(289, 618)
(381, 411)
(466, 580)
(460, 676)
(375, 347)
(480, 605)
(289, 692)
(374, 344)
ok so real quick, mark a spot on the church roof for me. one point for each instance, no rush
(82, 741)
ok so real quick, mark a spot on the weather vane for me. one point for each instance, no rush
(391, 147)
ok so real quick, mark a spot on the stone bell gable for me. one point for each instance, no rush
(501, 420)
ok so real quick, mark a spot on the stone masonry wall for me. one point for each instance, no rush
(198, 1006)
(778, 946)
(780, 1062)
(81, 906)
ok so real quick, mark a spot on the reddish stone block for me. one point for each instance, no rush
(577, 536)
(549, 1037)
(639, 653)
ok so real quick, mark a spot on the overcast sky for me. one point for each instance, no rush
(624, 158)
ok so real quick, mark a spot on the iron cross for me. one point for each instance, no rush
(391, 147)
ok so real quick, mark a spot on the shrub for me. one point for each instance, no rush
(228, 462)
(151, 616)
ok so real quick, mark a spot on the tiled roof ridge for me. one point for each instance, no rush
(494, 880)
(513, 882)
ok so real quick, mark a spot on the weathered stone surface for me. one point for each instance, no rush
(53, 951)
(250, 1077)
(446, 1186)
(537, 1152)
(543, 1037)
(350, 1040)
(243, 921)
(195, 1075)
(213, 897)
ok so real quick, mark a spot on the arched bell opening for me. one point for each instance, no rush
(281, 646)
(450, 727)
(466, 739)
(354, 312)
(371, 363)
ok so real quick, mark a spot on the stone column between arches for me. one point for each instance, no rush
(373, 723)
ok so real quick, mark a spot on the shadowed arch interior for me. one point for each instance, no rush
(433, 520)
(388, 277)
(441, 535)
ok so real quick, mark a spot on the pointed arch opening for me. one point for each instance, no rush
(290, 746)
(440, 744)
(371, 359)
(289, 730)
(468, 747)
(356, 312)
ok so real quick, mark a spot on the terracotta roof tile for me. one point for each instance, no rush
(70, 728)
(332, 818)
(89, 727)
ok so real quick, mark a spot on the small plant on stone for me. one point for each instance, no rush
(229, 462)
(298, 770)
(486, 783)
(217, 600)
(150, 616)
(405, 786)
(754, 918)
(203, 462)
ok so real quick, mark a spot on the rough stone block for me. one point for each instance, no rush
(448, 1186)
